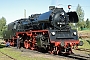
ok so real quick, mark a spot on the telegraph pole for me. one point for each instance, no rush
(24, 13)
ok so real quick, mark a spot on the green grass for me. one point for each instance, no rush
(18, 55)
(2, 45)
(86, 41)
(86, 44)
(85, 31)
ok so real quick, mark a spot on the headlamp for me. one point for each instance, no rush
(74, 33)
(53, 33)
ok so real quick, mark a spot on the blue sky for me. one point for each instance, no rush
(14, 9)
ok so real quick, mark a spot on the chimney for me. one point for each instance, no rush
(51, 7)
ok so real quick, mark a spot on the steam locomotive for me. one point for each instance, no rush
(48, 32)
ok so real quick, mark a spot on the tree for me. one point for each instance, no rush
(80, 13)
(2, 25)
(87, 23)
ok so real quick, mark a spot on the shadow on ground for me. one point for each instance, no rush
(2, 46)
(88, 41)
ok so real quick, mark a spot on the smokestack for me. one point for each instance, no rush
(51, 7)
(24, 13)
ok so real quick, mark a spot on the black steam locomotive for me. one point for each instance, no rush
(49, 31)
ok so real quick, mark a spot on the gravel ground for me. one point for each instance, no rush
(77, 55)
(82, 53)
(31, 53)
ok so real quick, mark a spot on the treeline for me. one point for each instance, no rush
(3, 25)
(82, 24)
(85, 25)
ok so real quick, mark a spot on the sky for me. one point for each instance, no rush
(14, 9)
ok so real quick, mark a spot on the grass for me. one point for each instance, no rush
(86, 41)
(1, 40)
(2, 46)
(85, 31)
(86, 44)
(3, 57)
(18, 55)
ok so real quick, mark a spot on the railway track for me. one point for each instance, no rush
(27, 52)
(82, 49)
(32, 53)
(57, 57)
(78, 57)
(8, 57)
